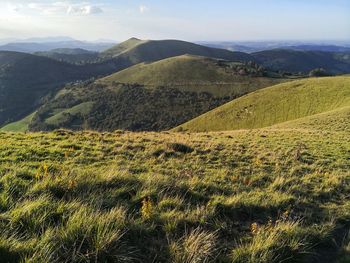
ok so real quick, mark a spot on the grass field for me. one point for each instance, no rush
(277, 104)
(278, 194)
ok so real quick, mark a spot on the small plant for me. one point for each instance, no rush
(72, 184)
(42, 172)
(147, 209)
(254, 228)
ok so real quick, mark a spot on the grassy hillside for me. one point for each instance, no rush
(195, 74)
(276, 104)
(269, 195)
(302, 61)
(169, 93)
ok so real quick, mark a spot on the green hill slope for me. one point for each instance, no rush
(194, 74)
(303, 61)
(166, 94)
(276, 104)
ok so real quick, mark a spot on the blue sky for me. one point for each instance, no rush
(193, 20)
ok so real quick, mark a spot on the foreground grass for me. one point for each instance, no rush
(268, 195)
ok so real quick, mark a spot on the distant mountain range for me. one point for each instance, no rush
(256, 46)
(303, 61)
(32, 45)
(44, 45)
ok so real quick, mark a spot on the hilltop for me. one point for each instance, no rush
(122, 47)
(277, 104)
(135, 51)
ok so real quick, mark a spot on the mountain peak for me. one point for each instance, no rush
(134, 39)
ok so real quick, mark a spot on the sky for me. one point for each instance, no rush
(192, 20)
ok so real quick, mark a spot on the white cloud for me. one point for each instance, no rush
(14, 7)
(143, 9)
(84, 10)
(60, 8)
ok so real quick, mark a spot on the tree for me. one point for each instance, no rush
(319, 72)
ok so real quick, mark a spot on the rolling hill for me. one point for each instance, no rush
(154, 68)
(302, 61)
(195, 74)
(151, 96)
(277, 104)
